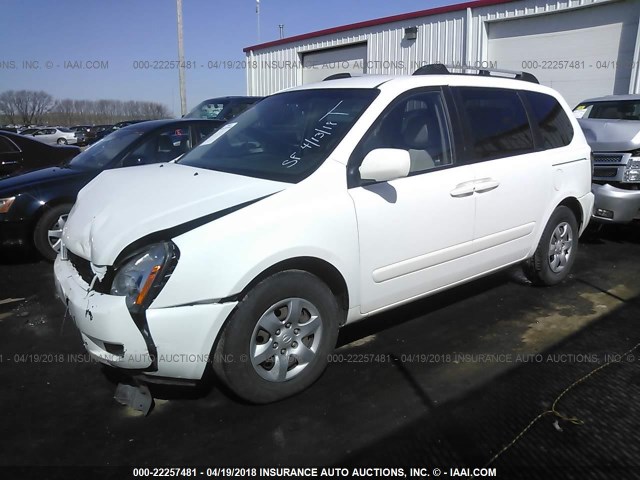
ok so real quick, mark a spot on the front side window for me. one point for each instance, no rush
(553, 124)
(418, 124)
(162, 146)
(284, 137)
(497, 122)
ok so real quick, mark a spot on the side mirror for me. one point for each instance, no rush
(134, 160)
(384, 164)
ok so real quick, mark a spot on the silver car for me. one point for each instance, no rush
(55, 135)
(611, 125)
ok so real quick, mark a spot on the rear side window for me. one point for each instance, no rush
(497, 122)
(553, 124)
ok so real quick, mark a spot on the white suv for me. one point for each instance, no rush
(320, 206)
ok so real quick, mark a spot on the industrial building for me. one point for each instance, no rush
(582, 48)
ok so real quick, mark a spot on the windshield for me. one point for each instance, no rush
(284, 137)
(209, 109)
(101, 153)
(612, 110)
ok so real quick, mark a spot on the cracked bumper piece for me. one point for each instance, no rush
(620, 205)
(183, 336)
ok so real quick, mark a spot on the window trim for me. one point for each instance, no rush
(16, 146)
(353, 180)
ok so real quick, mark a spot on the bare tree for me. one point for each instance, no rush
(29, 107)
(8, 105)
(41, 103)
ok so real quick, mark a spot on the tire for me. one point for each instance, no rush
(48, 231)
(62, 141)
(557, 249)
(261, 333)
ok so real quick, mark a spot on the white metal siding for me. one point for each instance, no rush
(583, 54)
(316, 66)
(455, 37)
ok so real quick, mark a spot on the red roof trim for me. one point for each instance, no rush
(379, 21)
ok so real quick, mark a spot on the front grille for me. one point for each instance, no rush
(605, 172)
(609, 158)
(83, 267)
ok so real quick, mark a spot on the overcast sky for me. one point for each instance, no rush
(117, 33)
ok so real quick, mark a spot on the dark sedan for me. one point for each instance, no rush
(34, 206)
(20, 154)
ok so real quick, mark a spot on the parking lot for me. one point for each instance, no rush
(444, 382)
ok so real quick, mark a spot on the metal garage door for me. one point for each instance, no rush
(583, 53)
(320, 64)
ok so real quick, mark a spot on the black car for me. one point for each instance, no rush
(92, 134)
(81, 132)
(20, 154)
(222, 108)
(125, 124)
(103, 132)
(34, 206)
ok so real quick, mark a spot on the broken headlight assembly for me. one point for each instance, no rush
(141, 277)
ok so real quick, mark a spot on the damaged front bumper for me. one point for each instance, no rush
(178, 341)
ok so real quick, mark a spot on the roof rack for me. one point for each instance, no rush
(337, 76)
(441, 69)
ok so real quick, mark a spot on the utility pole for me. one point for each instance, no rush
(281, 27)
(258, 17)
(181, 69)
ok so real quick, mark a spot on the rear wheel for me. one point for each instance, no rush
(62, 141)
(556, 250)
(277, 342)
(47, 235)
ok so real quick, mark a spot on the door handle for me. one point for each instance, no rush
(486, 185)
(463, 189)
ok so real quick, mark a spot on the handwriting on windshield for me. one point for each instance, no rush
(323, 130)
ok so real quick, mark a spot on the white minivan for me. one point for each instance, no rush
(322, 205)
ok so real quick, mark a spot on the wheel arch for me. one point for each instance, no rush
(55, 202)
(574, 205)
(322, 269)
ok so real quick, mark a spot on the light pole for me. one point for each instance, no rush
(181, 69)
(258, 17)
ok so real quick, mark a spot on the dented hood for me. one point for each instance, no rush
(611, 135)
(123, 205)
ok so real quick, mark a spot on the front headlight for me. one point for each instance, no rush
(140, 278)
(632, 170)
(5, 204)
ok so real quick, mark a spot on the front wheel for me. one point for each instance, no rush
(47, 235)
(277, 342)
(557, 249)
